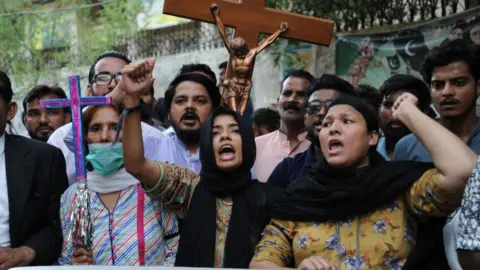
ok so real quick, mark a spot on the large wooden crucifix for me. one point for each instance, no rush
(250, 18)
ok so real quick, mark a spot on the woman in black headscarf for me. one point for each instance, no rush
(357, 211)
(224, 210)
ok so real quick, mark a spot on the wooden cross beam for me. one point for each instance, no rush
(250, 18)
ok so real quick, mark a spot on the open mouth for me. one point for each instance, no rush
(190, 119)
(227, 152)
(335, 146)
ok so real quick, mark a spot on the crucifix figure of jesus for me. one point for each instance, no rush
(237, 88)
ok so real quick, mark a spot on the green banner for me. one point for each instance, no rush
(372, 58)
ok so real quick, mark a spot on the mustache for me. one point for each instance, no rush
(43, 126)
(291, 106)
(449, 101)
(394, 122)
(190, 115)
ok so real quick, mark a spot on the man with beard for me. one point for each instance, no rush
(453, 73)
(319, 94)
(390, 90)
(189, 100)
(202, 69)
(290, 139)
(104, 79)
(42, 122)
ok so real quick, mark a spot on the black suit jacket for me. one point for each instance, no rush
(36, 178)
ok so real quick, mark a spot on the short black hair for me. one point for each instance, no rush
(299, 73)
(42, 90)
(211, 87)
(112, 54)
(410, 84)
(452, 51)
(369, 94)
(266, 117)
(329, 81)
(6, 90)
(223, 65)
(191, 68)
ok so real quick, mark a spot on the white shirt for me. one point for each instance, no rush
(169, 132)
(4, 210)
(450, 232)
(58, 136)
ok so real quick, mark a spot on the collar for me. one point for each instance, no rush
(302, 136)
(2, 144)
(182, 146)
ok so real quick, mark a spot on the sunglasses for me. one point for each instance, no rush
(316, 106)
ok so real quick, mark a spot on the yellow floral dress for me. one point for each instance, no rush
(175, 189)
(381, 240)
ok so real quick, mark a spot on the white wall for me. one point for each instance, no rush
(266, 80)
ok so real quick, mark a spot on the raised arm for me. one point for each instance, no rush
(170, 184)
(134, 80)
(214, 9)
(267, 42)
(451, 156)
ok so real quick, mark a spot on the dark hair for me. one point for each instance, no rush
(41, 90)
(112, 54)
(211, 87)
(328, 81)
(5, 87)
(299, 73)
(369, 94)
(410, 84)
(223, 65)
(191, 68)
(452, 51)
(266, 117)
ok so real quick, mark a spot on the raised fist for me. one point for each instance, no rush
(404, 104)
(137, 78)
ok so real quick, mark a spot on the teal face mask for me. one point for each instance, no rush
(105, 158)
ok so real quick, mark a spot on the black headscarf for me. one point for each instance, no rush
(333, 195)
(197, 238)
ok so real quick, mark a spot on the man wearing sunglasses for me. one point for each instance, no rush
(319, 95)
(103, 78)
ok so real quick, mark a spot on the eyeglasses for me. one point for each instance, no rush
(315, 106)
(105, 78)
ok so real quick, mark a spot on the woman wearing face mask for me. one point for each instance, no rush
(129, 227)
(357, 211)
(225, 211)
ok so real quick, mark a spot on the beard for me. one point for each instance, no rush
(33, 135)
(188, 137)
(312, 136)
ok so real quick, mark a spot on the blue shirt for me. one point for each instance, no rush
(382, 148)
(173, 151)
(294, 168)
(410, 148)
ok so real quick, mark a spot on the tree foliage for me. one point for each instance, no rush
(36, 41)
(364, 14)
